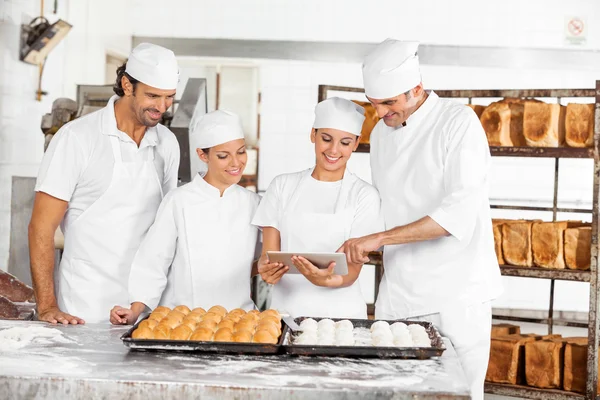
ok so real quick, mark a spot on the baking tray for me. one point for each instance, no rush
(26, 312)
(420, 353)
(192, 346)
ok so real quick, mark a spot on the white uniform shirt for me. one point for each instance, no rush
(77, 166)
(166, 270)
(437, 165)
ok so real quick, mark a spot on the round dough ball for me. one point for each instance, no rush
(326, 341)
(185, 310)
(398, 328)
(176, 315)
(208, 324)
(416, 329)
(142, 332)
(242, 337)
(161, 332)
(380, 325)
(193, 317)
(202, 334)
(421, 342)
(344, 325)
(381, 341)
(162, 310)
(264, 337)
(244, 326)
(382, 334)
(199, 310)
(189, 323)
(212, 316)
(403, 340)
(309, 324)
(226, 323)
(182, 332)
(219, 310)
(307, 338)
(223, 335)
(270, 312)
(326, 323)
(149, 323)
(344, 338)
(269, 327)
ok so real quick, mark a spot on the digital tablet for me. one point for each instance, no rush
(319, 260)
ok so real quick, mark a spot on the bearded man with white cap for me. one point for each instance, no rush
(316, 210)
(200, 250)
(430, 162)
(104, 176)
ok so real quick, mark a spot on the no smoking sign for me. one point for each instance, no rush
(575, 30)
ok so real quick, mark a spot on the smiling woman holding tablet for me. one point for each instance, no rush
(315, 211)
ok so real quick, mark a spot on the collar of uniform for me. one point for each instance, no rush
(210, 189)
(109, 127)
(421, 112)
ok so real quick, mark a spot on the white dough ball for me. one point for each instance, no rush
(416, 328)
(422, 343)
(382, 341)
(326, 323)
(308, 338)
(379, 325)
(398, 327)
(344, 325)
(344, 338)
(382, 333)
(326, 340)
(403, 341)
(309, 324)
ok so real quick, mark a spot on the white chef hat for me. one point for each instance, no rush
(154, 66)
(215, 128)
(391, 69)
(341, 114)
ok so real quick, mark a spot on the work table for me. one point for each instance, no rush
(94, 363)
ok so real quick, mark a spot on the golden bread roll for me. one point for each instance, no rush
(237, 311)
(212, 316)
(272, 319)
(170, 322)
(162, 310)
(255, 312)
(156, 316)
(223, 335)
(161, 332)
(244, 326)
(219, 310)
(199, 310)
(182, 332)
(142, 332)
(226, 323)
(264, 337)
(270, 312)
(202, 334)
(269, 327)
(209, 324)
(193, 317)
(185, 310)
(189, 323)
(150, 323)
(176, 315)
(234, 318)
(249, 317)
(242, 337)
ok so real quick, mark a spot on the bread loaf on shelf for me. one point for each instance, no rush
(497, 227)
(547, 244)
(575, 366)
(579, 125)
(502, 123)
(543, 124)
(544, 362)
(516, 243)
(578, 247)
(477, 108)
(499, 330)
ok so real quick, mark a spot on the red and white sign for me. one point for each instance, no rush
(575, 30)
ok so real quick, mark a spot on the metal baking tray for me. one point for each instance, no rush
(192, 346)
(421, 353)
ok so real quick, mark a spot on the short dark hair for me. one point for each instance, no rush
(118, 87)
(205, 150)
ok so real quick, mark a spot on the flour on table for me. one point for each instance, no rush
(18, 337)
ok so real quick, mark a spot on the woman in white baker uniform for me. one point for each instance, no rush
(200, 250)
(430, 161)
(316, 210)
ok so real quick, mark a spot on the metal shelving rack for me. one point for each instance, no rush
(591, 276)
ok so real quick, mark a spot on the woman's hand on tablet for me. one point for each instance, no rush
(271, 273)
(317, 276)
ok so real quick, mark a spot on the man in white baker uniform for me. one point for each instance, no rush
(430, 161)
(104, 176)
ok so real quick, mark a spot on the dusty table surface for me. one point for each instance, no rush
(92, 362)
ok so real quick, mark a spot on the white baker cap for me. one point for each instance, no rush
(391, 69)
(215, 128)
(341, 114)
(154, 66)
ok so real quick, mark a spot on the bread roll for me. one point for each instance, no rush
(543, 124)
(208, 324)
(516, 243)
(275, 320)
(185, 310)
(161, 332)
(269, 327)
(182, 332)
(193, 317)
(176, 315)
(142, 332)
(256, 312)
(235, 318)
(249, 317)
(547, 244)
(156, 316)
(219, 310)
(162, 310)
(212, 316)
(169, 322)
(237, 311)
(244, 326)
(578, 248)
(202, 334)
(579, 125)
(223, 335)
(242, 337)
(226, 323)
(270, 312)
(199, 310)
(149, 323)
(264, 337)
(189, 323)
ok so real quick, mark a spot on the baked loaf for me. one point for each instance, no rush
(516, 243)
(575, 367)
(544, 362)
(477, 108)
(497, 227)
(547, 244)
(371, 119)
(544, 124)
(216, 324)
(579, 125)
(503, 123)
(578, 247)
(499, 330)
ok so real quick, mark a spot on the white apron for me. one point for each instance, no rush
(101, 243)
(221, 247)
(317, 232)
